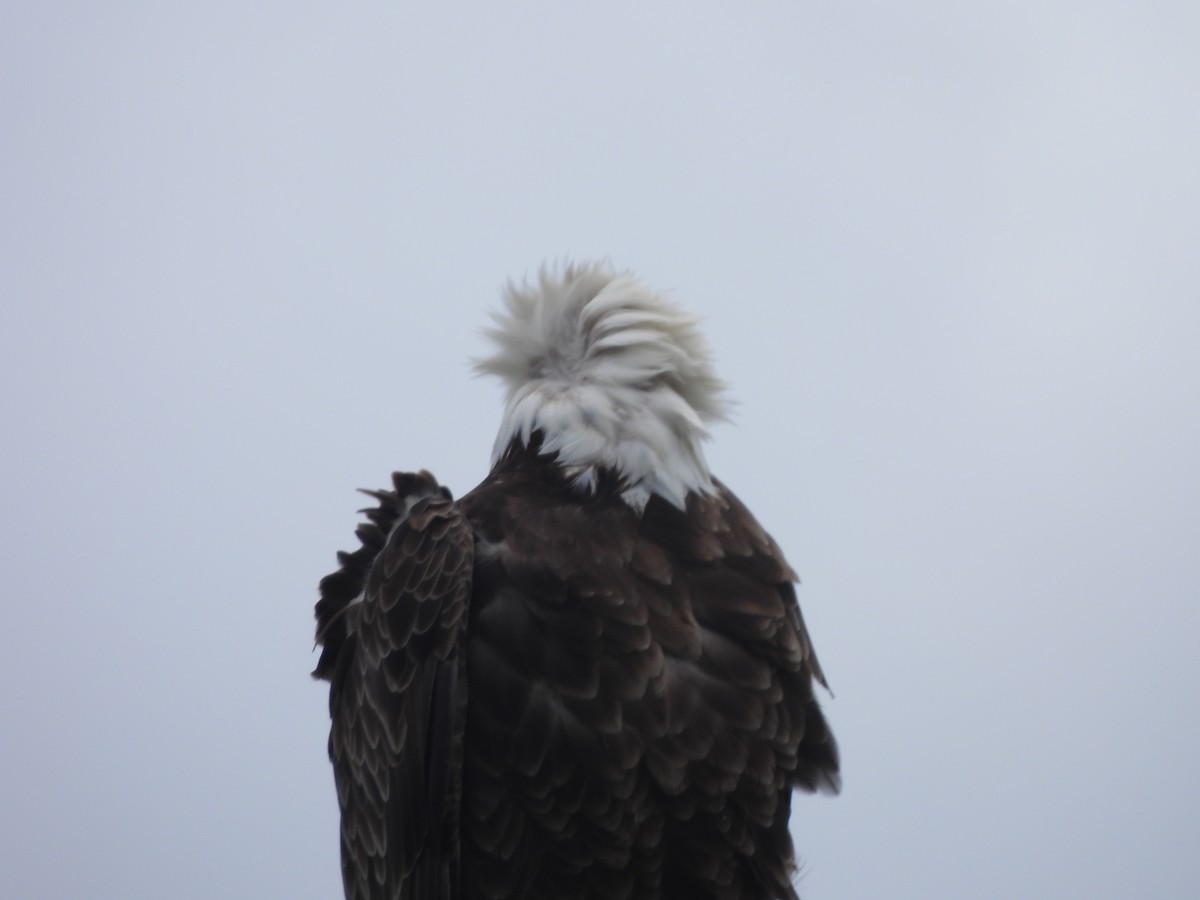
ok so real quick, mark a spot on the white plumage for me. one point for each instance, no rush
(614, 374)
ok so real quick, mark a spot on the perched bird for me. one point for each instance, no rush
(589, 677)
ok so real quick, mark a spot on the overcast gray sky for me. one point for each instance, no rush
(948, 258)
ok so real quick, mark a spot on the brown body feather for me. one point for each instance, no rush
(545, 693)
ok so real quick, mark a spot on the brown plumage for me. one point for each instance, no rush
(547, 689)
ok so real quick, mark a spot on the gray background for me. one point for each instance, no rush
(947, 257)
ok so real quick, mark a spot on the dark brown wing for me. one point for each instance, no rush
(745, 727)
(394, 657)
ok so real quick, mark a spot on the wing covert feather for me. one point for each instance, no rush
(398, 695)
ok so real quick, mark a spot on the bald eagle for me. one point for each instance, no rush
(589, 676)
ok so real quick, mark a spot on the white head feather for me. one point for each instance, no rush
(613, 374)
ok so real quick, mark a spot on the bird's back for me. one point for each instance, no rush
(640, 700)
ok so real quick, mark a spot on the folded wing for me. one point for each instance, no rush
(392, 624)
